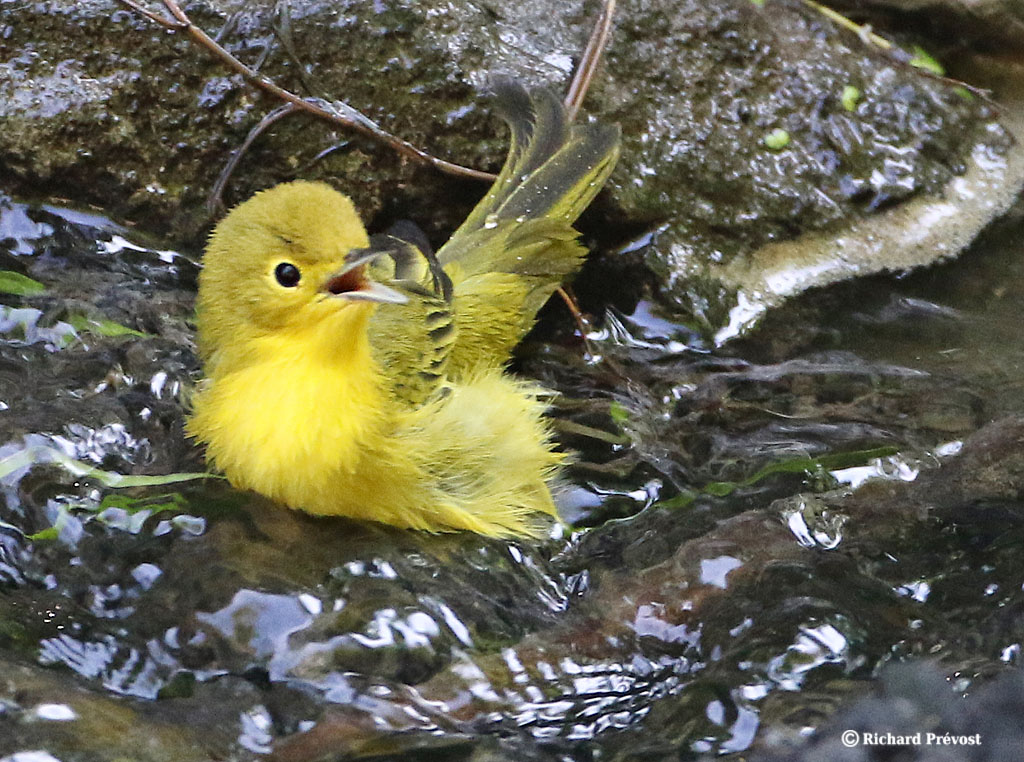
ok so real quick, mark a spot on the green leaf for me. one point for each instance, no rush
(682, 500)
(153, 503)
(830, 462)
(618, 413)
(102, 327)
(19, 285)
(924, 60)
(720, 489)
(31, 456)
(822, 464)
(43, 535)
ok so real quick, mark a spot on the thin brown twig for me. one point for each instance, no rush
(582, 321)
(584, 73)
(215, 201)
(314, 107)
(229, 24)
(282, 31)
(282, 26)
(344, 115)
(155, 17)
(582, 77)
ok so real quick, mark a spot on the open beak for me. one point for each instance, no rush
(352, 282)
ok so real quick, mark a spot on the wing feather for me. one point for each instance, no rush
(518, 244)
(472, 303)
(412, 342)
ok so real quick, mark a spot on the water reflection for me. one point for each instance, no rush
(21, 327)
(644, 328)
(813, 524)
(816, 644)
(726, 570)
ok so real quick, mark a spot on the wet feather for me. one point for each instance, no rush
(364, 377)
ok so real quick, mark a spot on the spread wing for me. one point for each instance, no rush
(472, 303)
(518, 244)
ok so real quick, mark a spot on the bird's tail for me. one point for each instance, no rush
(553, 170)
(518, 244)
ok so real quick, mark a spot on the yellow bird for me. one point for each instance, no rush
(363, 377)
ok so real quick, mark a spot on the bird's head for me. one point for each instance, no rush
(286, 261)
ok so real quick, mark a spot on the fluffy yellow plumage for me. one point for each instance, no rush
(363, 377)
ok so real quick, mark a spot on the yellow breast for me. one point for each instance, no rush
(295, 421)
(321, 435)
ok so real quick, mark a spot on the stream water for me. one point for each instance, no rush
(733, 576)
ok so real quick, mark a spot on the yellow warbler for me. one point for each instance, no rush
(363, 377)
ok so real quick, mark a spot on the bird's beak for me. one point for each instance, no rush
(352, 282)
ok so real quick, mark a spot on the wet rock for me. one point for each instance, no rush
(906, 173)
(43, 717)
(916, 714)
(771, 149)
(696, 606)
(983, 19)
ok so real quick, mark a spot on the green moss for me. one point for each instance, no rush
(618, 413)
(850, 98)
(777, 139)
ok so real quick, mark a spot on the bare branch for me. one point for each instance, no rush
(215, 202)
(315, 107)
(588, 61)
(582, 321)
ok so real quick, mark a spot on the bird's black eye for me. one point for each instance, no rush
(287, 274)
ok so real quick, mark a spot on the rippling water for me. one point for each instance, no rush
(725, 583)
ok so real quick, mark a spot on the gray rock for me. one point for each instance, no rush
(740, 150)
(987, 19)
